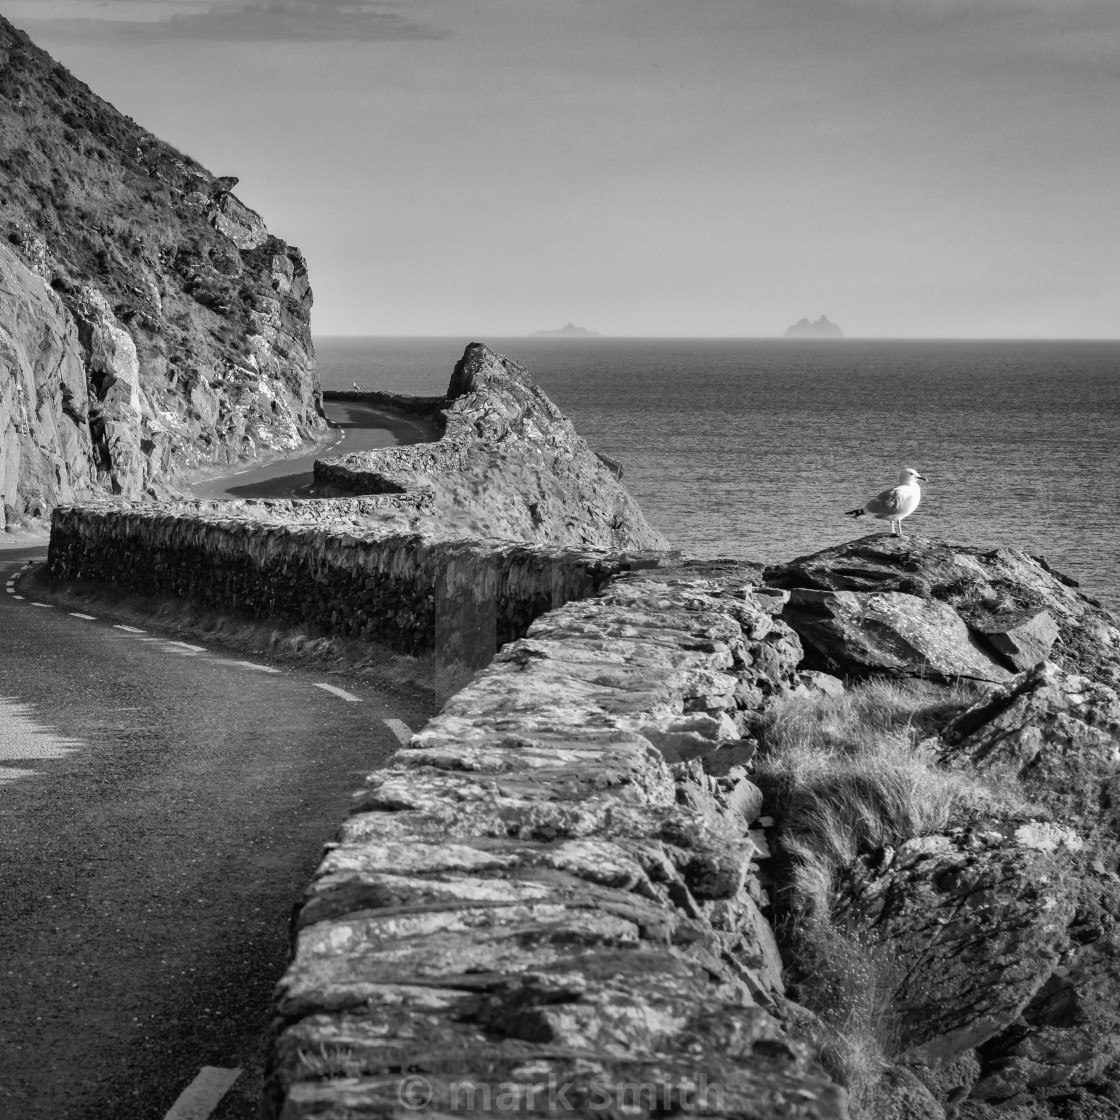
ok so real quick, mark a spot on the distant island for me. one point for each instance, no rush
(822, 328)
(568, 330)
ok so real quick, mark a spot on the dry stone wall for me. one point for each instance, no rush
(532, 911)
(383, 588)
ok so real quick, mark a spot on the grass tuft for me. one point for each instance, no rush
(854, 772)
(843, 776)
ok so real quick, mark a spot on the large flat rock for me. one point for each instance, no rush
(887, 633)
(1017, 607)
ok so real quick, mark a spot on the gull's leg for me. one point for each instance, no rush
(900, 532)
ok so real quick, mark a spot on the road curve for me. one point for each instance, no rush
(162, 806)
(358, 427)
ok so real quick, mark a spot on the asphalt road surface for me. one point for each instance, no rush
(162, 806)
(359, 427)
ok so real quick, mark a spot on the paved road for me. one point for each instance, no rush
(360, 427)
(161, 808)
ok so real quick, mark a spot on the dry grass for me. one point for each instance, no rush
(845, 775)
(850, 773)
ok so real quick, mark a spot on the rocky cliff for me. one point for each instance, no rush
(149, 322)
(508, 465)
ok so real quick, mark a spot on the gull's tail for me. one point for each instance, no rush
(854, 512)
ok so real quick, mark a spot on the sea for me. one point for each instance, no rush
(754, 448)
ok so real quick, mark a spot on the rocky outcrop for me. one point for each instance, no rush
(508, 465)
(188, 320)
(976, 920)
(1053, 734)
(996, 940)
(529, 899)
(821, 328)
(568, 330)
(1016, 608)
(887, 633)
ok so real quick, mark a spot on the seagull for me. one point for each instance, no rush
(357, 386)
(896, 503)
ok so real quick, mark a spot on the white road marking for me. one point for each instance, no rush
(46, 605)
(187, 645)
(248, 665)
(202, 1095)
(128, 629)
(402, 731)
(17, 596)
(87, 617)
(341, 693)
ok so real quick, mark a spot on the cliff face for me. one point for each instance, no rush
(149, 322)
(46, 453)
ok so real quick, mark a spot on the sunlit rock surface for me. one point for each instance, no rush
(1014, 605)
(127, 261)
(509, 464)
(531, 893)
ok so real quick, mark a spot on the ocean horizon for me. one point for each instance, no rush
(754, 447)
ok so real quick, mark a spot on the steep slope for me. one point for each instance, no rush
(189, 319)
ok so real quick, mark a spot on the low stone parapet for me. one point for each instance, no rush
(381, 588)
(531, 911)
(425, 408)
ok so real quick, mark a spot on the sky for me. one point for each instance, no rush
(909, 168)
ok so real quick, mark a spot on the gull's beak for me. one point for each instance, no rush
(923, 478)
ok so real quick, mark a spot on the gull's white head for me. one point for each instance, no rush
(908, 476)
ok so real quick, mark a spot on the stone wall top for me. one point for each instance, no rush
(531, 895)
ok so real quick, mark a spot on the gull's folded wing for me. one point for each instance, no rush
(889, 501)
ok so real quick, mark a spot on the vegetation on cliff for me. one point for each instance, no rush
(190, 320)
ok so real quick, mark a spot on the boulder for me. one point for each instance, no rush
(995, 591)
(811, 683)
(1056, 737)
(861, 634)
(1026, 642)
(975, 923)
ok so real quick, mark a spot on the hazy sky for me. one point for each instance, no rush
(667, 167)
